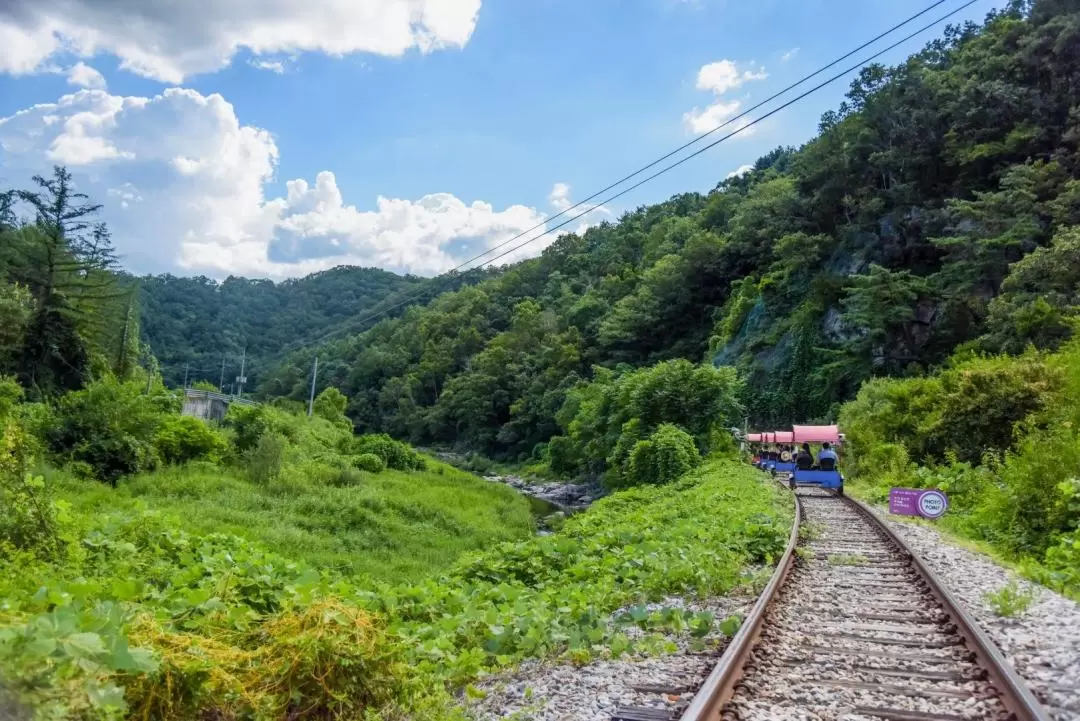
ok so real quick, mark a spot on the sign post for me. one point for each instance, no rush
(927, 503)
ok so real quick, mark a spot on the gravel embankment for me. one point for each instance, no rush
(544, 691)
(1043, 643)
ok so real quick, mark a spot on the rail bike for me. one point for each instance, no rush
(770, 447)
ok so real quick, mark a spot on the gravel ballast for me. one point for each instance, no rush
(1043, 642)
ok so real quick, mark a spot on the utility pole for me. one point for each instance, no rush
(221, 383)
(186, 374)
(311, 400)
(240, 379)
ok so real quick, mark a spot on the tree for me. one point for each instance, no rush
(1040, 298)
(881, 305)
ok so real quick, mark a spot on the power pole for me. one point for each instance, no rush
(221, 383)
(185, 374)
(240, 379)
(311, 400)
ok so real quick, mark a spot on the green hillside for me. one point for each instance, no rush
(198, 321)
(878, 248)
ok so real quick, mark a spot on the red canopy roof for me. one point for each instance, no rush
(816, 434)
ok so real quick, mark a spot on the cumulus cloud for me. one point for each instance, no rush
(169, 41)
(426, 236)
(720, 78)
(183, 182)
(741, 170)
(788, 55)
(85, 76)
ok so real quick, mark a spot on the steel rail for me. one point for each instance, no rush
(1015, 694)
(720, 684)
(719, 687)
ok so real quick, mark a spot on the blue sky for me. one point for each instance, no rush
(467, 119)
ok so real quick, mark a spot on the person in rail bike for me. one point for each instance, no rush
(805, 460)
(785, 454)
(827, 453)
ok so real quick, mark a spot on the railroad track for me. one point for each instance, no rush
(853, 627)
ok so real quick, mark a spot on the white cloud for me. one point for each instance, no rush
(560, 197)
(789, 55)
(741, 170)
(183, 183)
(587, 215)
(721, 78)
(723, 75)
(274, 66)
(426, 236)
(84, 76)
(169, 41)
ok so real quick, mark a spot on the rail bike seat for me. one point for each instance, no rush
(782, 467)
(817, 477)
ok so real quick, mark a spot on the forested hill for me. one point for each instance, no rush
(878, 248)
(198, 321)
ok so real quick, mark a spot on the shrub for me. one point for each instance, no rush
(394, 454)
(109, 426)
(667, 454)
(250, 424)
(370, 462)
(331, 405)
(348, 477)
(1034, 501)
(266, 458)
(30, 520)
(180, 439)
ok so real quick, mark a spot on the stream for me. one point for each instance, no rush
(550, 500)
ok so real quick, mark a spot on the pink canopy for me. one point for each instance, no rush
(816, 434)
(754, 437)
(785, 437)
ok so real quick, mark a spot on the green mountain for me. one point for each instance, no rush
(914, 224)
(199, 322)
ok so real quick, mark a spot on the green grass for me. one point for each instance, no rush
(393, 526)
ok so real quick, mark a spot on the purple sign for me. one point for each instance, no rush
(928, 503)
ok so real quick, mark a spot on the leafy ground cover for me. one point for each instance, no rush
(130, 617)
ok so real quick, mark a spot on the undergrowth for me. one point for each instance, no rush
(137, 619)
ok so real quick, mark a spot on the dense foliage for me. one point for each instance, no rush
(1001, 436)
(663, 414)
(935, 209)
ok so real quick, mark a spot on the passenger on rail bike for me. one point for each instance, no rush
(827, 457)
(805, 460)
(785, 454)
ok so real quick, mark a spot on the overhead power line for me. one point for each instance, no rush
(410, 298)
(699, 138)
(413, 296)
(738, 130)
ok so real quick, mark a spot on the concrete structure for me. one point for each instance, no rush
(208, 405)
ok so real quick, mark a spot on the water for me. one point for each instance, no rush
(541, 508)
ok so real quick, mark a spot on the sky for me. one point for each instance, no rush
(275, 138)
